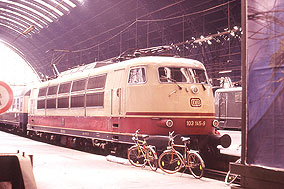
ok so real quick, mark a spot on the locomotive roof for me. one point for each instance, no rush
(164, 60)
(102, 67)
(138, 60)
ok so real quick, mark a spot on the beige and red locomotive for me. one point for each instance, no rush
(155, 94)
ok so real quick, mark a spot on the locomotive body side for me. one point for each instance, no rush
(153, 94)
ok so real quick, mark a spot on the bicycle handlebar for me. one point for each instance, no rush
(171, 134)
(171, 138)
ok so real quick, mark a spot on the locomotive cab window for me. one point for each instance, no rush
(181, 75)
(137, 75)
(199, 76)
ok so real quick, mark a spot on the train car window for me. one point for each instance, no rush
(95, 99)
(64, 88)
(96, 82)
(18, 104)
(40, 104)
(137, 76)
(50, 103)
(42, 91)
(77, 101)
(63, 102)
(79, 85)
(21, 104)
(52, 90)
(199, 76)
(14, 104)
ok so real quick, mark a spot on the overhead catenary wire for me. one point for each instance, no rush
(143, 20)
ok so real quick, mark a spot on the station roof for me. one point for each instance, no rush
(69, 33)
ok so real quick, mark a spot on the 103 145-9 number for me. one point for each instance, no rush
(195, 123)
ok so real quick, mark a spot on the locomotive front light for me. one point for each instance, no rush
(169, 123)
(165, 123)
(194, 89)
(215, 123)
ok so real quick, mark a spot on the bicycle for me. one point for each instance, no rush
(230, 178)
(171, 161)
(141, 153)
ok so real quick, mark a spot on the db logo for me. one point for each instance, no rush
(195, 102)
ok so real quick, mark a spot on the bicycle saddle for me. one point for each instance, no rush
(145, 137)
(185, 139)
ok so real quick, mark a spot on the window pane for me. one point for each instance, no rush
(170, 74)
(41, 104)
(64, 88)
(199, 75)
(52, 90)
(42, 91)
(50, 103)
(63, 102)
(79, 85)
(96, 82)
(137, 75)
(77, 101)
(95, 99)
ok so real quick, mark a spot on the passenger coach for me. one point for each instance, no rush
(16, 117)
(109, 103)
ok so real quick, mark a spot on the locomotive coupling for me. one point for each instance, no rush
(224, 141)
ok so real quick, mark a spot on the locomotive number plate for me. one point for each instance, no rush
(194, 123)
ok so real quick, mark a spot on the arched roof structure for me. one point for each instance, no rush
(68, 33)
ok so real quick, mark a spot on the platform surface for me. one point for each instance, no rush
(58, 167)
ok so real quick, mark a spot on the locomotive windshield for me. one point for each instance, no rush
(182, 75)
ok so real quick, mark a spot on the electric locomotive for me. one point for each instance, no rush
(107, 104)
(228, 105)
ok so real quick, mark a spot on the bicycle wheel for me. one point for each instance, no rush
(196, 165)
(152, 159)
(230, 178)
(170, 161)
(136, 156)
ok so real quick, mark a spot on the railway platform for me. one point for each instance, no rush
(58, 167)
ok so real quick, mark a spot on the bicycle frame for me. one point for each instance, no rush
(143, 146)
(185, 153)
(147, 151)
(187, 160)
